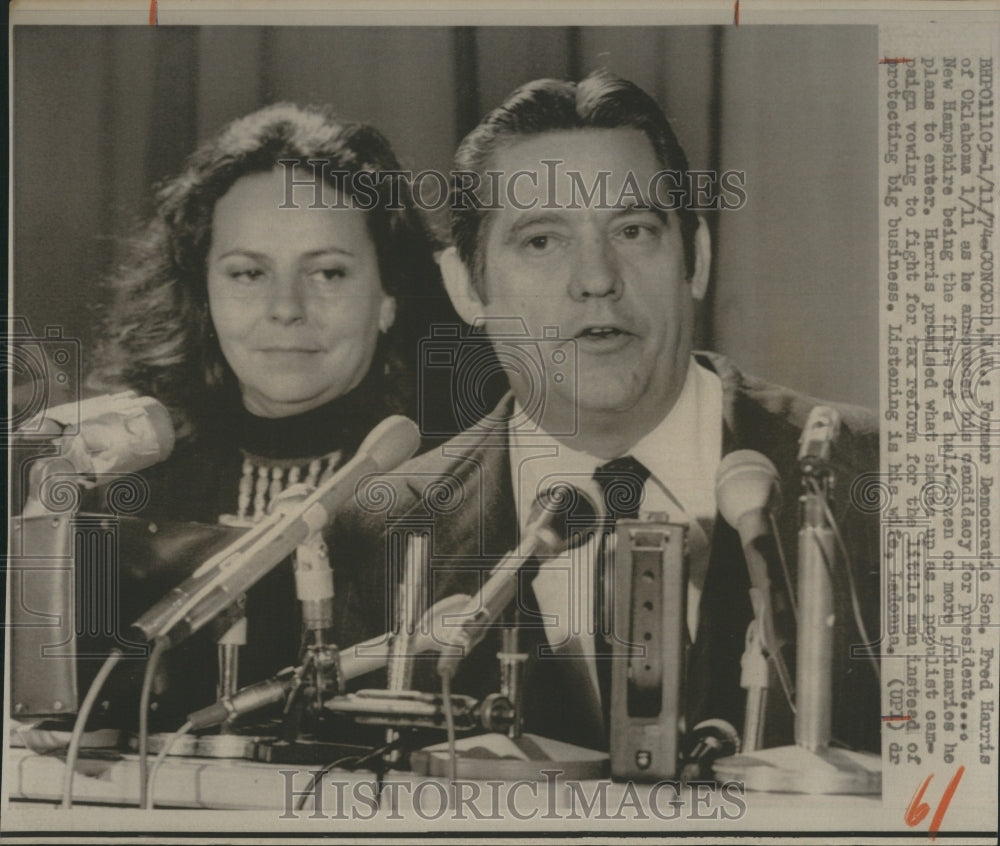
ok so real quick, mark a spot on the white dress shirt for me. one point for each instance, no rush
(682, 454)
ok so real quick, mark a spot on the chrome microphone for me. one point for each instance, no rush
(245, 701)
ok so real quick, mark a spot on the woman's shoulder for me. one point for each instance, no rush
(184, 487)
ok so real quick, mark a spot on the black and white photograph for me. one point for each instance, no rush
(501, 423)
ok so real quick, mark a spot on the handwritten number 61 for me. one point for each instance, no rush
(918, 809)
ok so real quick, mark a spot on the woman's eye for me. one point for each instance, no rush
(328, 274)
(246, 274)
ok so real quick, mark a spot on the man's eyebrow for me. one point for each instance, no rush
(630, 206)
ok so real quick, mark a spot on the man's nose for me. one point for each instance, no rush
(287, 298)
(596, 271)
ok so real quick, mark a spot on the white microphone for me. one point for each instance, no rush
(746, 489)
(118, 433)
(223, 578)
(544, 537)
(747, 492)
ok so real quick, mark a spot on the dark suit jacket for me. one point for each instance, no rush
(462, 492)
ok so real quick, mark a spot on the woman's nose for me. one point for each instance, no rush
(286, 303)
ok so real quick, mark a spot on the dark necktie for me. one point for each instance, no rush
(622, 482)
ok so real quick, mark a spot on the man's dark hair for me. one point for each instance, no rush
(601, 101)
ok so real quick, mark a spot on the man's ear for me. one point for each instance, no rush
(702, 260)
(458, 283)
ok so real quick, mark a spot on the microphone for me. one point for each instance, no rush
(244, 701)
(747, 492)
(544, 537)
(821, 430)
(746, 489)
(220, 580)
(358, 660)
(118, 433)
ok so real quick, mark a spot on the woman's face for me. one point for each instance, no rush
(295, 294)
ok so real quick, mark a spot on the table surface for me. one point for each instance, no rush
(33, 784)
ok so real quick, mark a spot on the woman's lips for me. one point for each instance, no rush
(289, 354)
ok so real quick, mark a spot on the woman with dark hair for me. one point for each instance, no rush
(275, 307)
(242, 305)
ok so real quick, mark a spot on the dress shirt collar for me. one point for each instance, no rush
(682, 452)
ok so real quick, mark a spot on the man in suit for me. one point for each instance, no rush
(564, 223)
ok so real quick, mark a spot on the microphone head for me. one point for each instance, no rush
(391, 442)
(564, 510)
(747, 481)
(125, 434)
(818, 436)
(162, 428)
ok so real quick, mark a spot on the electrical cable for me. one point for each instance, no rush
(76, 738)
(160, 758)
(358, 761)
(449, 721)
(789, 587)
(301, 803)
(159, 646)
(781, 671)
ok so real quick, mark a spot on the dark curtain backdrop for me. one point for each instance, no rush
(101, 114)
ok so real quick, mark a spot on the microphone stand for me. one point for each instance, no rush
(410, 610)
(314, 580)
(316, 679)
(811, 765)
(754, 680)
(319, 676)
(512, 664)
(514, 754)
(233, 627)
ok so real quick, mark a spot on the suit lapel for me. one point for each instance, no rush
(463, 491)
(724, 611)
(467, 495)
